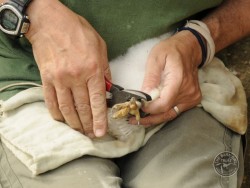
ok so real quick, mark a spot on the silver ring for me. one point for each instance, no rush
(177, 111)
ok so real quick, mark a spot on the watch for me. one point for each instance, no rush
(13, 20)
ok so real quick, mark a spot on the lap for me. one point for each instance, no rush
(88, 171)
(181, 154)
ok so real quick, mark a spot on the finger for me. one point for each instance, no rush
(67, 108)
(97, 95)
(166, 100)
(51, 102)
(170, 87)
(155, 119)
(83, 109)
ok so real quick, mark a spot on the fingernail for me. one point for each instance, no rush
(99, 132)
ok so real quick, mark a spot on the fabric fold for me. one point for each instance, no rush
(223, 96)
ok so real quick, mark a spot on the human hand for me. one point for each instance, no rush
(72, 59)
(172, 65)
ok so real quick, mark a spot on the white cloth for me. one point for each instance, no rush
(42, 143)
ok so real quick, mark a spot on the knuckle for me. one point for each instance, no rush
(49, 103)
(83, 107)
(74, 71)
(47, 90)
(59, 74)
(168, 116)
(93, 65)
(98, 100)
(163, 117)
(172, 115)
(66, 109)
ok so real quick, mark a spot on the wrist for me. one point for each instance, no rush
(201, 41)
(193, 46)
(39, 12)
(202, 33)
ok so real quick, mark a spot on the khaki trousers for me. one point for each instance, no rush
(180, 155)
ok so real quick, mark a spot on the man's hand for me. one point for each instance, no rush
(72, 59)
(172, 64)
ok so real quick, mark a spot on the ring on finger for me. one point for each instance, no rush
(177, 110)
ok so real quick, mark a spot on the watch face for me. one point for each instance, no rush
(9, 20)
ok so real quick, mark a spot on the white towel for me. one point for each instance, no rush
(43, 144)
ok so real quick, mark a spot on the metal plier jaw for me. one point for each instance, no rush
(121, 95)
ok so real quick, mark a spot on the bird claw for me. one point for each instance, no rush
(122, 110)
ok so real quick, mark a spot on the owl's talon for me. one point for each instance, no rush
(124, 109)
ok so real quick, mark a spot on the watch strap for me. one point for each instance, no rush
(22, 4)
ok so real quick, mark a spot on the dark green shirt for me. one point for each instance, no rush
(120, 23)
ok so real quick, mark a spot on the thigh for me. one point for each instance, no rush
(182, 154)
(91, 172)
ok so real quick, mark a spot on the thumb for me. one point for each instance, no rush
(171, 79)
(166, 98)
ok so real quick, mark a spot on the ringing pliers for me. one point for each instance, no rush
(121, 95)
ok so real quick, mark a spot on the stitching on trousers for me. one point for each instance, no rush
(2, 169)
(7, 161)
(227, 141)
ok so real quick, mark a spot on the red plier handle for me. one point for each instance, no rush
(120, 95)
(110, 87)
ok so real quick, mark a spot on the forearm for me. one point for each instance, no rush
(229, 22)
